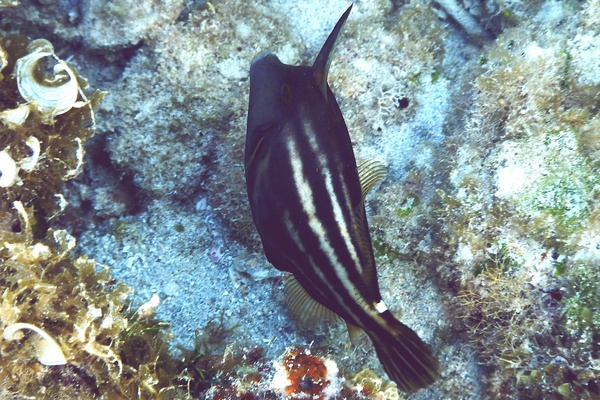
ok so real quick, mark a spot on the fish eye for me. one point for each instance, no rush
(286, 94)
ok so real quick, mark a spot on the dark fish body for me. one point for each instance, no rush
(306, 201)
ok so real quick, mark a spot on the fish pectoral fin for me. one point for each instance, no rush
(250, 158)
(354, 332)
(302, 305)
(370, 173)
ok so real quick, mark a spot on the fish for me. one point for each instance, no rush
(307, 204)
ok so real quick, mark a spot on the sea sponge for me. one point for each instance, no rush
(368, 383)
(303, 375)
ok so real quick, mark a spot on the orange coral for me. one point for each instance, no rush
(307, 375)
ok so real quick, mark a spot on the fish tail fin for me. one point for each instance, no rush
(406, 359)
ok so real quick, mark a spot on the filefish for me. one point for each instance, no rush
(307, 203)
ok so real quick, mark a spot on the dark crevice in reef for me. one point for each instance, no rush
(102, 193)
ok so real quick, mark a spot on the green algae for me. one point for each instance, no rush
(582, 303)
(410, 202)
(566, 193)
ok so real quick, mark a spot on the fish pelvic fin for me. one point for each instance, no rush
(406, 359)
(321, 65)
(303, 306)
(354, 333)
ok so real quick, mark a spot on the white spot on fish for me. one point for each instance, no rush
(381, 307)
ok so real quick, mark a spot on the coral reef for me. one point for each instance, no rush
(302, 375)
(83, 312)
(123, 23)
(48, 351)
(8, 3)
(485, 230)
(84, 342)
(245, 374)
(46, 118)
(189, 154)
(522, 209)
(366, 382)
